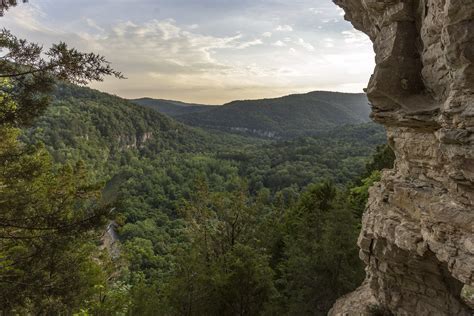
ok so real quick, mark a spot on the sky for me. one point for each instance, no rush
(207, 51)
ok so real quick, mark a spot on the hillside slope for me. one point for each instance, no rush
(107, 131)
(154, 168)
(289, 116)
(172, 108)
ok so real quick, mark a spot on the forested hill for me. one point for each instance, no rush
(105, 130)
(110, 133)
(290, 201)
(172, 108)
(289, 116)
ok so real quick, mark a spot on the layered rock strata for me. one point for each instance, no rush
(418, 230)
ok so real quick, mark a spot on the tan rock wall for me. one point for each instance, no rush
(418, 230)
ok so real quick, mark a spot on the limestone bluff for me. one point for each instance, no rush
(417, 237)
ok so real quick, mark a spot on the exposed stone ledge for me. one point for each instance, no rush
(417, 237)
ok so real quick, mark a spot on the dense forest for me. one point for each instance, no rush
(211, 223)
(112, 208)
(284, 117)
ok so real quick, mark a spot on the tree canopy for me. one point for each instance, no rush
(48, 212)
(205, 223)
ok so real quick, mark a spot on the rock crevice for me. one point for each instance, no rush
(417, 237)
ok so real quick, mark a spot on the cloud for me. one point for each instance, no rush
(210, 53)
(93, 25)
(27, 17)
(305, 44)
(316, 11)
(284, 28)
(328, 42)
(161, 46)
(279, 44)
(249, 44)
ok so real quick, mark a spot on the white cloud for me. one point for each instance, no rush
(279, 44)
(250, 43)
(164, 47)
(210, 61)
(94, 25)
(27, 17)
(340, 11)
(284, 28)
(305, 44)
(334, 20)
(328, 42)
(316, 11)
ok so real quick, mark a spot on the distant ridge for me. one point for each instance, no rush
(288, 116)
(171, 107)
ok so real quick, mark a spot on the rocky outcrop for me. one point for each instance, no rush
(417, 237)
(110, 240)
(134, 141)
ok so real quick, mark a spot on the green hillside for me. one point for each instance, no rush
(172, 108)
(104, 130)
(170, 184)
(289, 116)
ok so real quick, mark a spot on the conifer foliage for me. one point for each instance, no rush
(47, 211)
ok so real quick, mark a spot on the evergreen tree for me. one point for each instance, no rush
(223, 273)
(321, 257)
(48, 213)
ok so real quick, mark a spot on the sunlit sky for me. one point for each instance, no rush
(207, 51)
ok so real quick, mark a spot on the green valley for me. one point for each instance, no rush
(109, 207)
(256, 202)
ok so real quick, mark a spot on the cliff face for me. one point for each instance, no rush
(418, 230)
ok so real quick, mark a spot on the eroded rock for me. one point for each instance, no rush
(417, 235)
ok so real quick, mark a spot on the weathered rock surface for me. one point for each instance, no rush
(418, 230)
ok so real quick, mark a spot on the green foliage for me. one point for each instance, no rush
(212, 223)
(209, 223)
(172, 108)
(359, 195)
(340, 155)
(46, 231)
(32, 73)
(320, 258)
(48, 212)
(384, 158)
(290, 116)
(222, 272)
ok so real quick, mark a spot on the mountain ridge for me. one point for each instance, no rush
(171, 108)
(280, 117)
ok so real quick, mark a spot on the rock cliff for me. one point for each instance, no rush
(417, 237)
